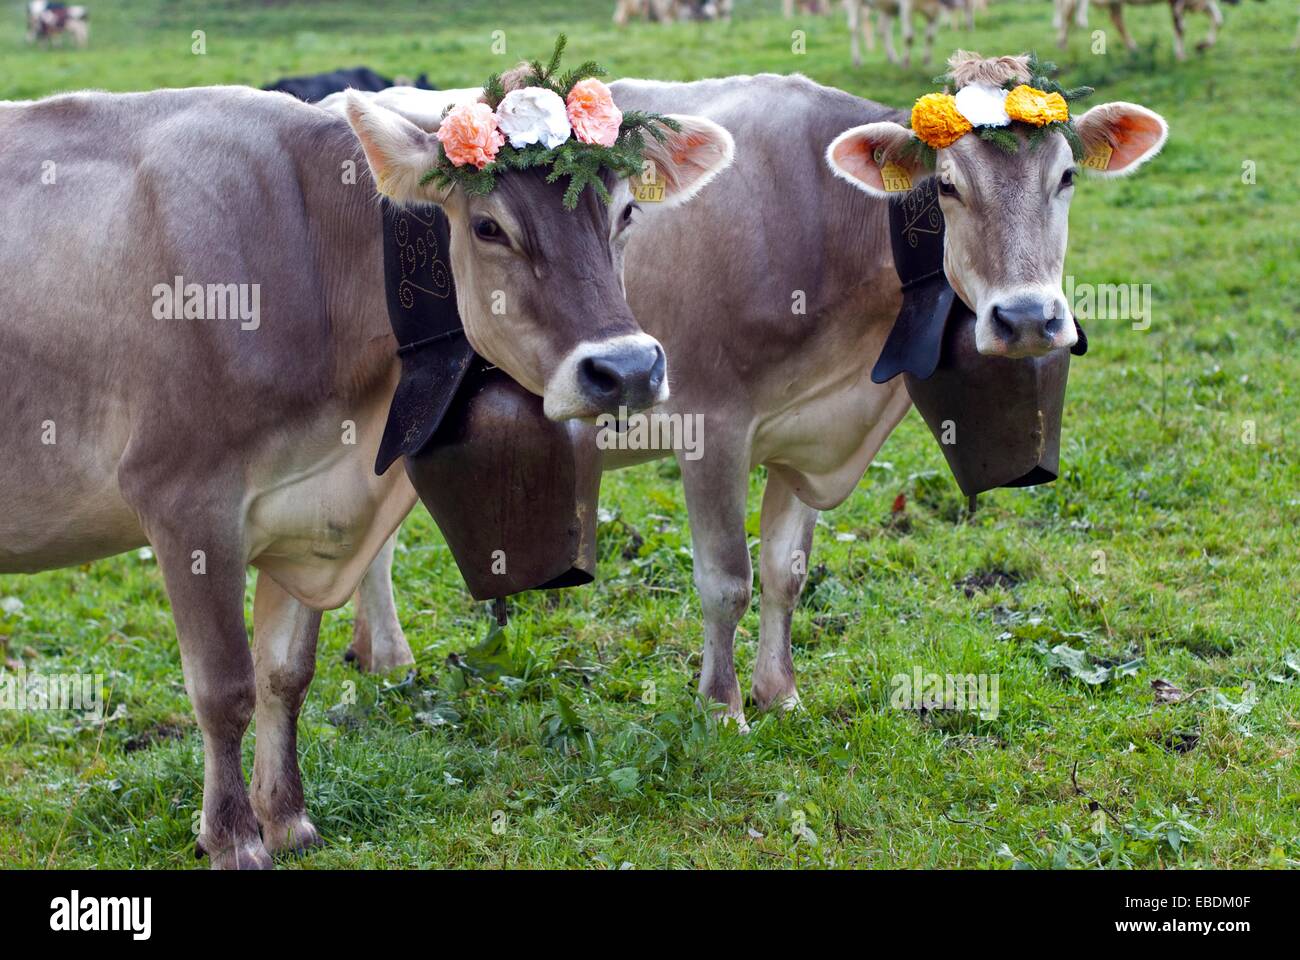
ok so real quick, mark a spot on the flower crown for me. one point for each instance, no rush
(992, 95)
(569, 123)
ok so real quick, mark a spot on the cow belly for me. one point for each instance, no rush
(58, 478)
(75, 523)
(823, 443)
(317, 534)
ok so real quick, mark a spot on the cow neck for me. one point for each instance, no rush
(348, 258)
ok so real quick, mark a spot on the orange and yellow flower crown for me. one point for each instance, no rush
(991, 95)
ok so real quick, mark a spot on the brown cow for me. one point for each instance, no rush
(1076, 11)
(201, 360)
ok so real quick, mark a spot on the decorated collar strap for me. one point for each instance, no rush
(989, 110)
(566, 122)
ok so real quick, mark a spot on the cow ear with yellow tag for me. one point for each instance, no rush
(1119, 137)
(675, 169)
(877, 159)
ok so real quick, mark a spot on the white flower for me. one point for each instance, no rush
(533, 115)
(983, 104)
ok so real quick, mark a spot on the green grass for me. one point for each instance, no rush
(1198, 531)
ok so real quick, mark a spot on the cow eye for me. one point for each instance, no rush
(947, 188)
(627, 212)
(485, 228)
(1067, 178)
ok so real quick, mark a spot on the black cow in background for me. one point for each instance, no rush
(318, 86)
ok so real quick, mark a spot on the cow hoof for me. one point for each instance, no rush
(791, 704)
(736, 719)
(293, 835)
(773, 689)
(246, 855)
(380, 653)
(784, 702)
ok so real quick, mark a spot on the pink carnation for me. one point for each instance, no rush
(592, 113)
(469, 134)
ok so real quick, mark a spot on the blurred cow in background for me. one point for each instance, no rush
(318, 86)
(667, 11)
(815, 8)
(1077, 10)
(653, 11)
(47, 21)
(904, 11)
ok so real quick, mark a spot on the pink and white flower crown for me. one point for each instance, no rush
(570, 124)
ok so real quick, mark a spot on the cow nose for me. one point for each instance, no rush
(630, 376)
(1028, 325)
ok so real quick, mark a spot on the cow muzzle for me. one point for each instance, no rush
(1025, 325)
(627, 373)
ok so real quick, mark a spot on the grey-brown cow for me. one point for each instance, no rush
(800, 221)
(1076, 12)
(195, 354)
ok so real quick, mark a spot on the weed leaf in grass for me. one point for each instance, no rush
(1078, 664)
(1290, 671)
(1166, 692)
(490, 660)
(1242, 707)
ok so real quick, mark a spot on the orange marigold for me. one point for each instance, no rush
(1029, 105)
(936, 122)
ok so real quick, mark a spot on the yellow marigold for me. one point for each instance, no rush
(1029, 105)
(936, 122)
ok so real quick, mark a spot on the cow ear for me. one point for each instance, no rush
(686, 159)
(1119, 137)
(399, 153)
(859, 154)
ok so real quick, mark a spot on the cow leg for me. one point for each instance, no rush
(1061, 20)
(1177, 9)
(378, 641)
(887, 35)
(931, 29)
(786, 526)
(1117, 17)
(906, 28)
(853, 8)
(205, 583)
(284, 660)
(715, 487)
(1216, 21)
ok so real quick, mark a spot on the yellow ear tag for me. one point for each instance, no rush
(643, 192)
(895, 178)
(1098, 156)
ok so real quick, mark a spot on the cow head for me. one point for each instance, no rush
(539, 287)
(1006, 214)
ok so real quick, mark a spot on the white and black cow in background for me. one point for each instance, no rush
(49, 21)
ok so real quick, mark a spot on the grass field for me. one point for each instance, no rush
(1169, 544)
